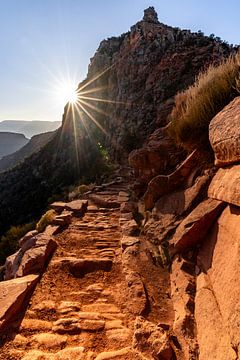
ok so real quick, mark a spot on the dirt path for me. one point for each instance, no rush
(81, 307)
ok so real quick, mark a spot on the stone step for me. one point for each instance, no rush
(76, 325)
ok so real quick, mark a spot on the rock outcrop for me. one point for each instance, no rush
(224, 134)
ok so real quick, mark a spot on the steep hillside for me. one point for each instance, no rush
(11, 142)
(34, 145)
(29, 128)
(128, 92)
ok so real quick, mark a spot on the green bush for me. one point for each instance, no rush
(196, 106)
(9, 241)
(45, 220)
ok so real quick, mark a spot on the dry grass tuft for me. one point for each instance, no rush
(196, 106)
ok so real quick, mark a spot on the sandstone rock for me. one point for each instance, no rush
(71, 353)
(35, 259)
(129, 241)
(81, 267)
(130, 228)
(100, 308)
(69, 306)
(183, 290)
(13, 297)
(52, 230)
(226, 185)
(37, 355)
(76, 325)
(219, 259)
(35, 325)
(137, 299)
(158, 156)
(58, 206)
(127, 207)
(164, 184)
(195, 226)
(62, 220)
(212, 336)
(104, 203)
(224, 134)
(108, 355)
(27, 237)
(31, 258)
(179, 202)
(49, 341)
(151, 340)
(78, 207)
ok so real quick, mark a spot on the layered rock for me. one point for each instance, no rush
(195, 226)
(226, 185)
(224, 134)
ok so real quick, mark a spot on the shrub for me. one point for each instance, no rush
(9, 241)
(45, 220)
(196, 106)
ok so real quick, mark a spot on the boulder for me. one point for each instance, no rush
(224, 134)
(13, 297)
(226, 185)
(194, 227)
(31, 258)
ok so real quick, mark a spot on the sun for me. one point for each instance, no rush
(66, 93)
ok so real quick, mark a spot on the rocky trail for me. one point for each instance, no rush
(103, 295)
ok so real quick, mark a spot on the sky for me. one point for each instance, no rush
(47, 44)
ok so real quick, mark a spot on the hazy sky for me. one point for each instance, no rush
(43, 42)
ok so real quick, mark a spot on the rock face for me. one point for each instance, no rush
(158, 156)
(217, 299)
(161, 185)
(224, 134)
(13, 295)
(226, 185)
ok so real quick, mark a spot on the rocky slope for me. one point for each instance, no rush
(11, 142)
(34, 145)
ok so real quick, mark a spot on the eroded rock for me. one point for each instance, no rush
(225, 185)
(224, 134)
(195, 226)
(31, 258)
